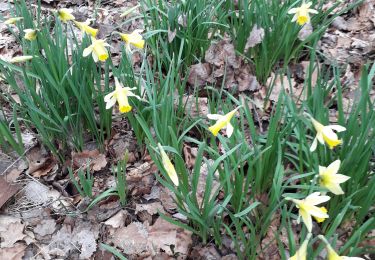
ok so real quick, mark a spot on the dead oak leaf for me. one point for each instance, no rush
(8, 223)
(93, 158)
(16, 252)
(256, 36)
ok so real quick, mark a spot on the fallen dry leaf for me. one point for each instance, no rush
(13, 224)
(200, 74)
(7, 190)
(92, 158)
(16, 252)
(195, 106)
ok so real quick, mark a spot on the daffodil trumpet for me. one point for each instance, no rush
(65, 15)
(134, 39)
(97, 49)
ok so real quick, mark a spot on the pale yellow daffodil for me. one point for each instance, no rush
(135, 39)
(329, 178)
(13, 20)
(65, 15)
(19, 59)
(30, 34)
(222, 121)
(168, 166)
(84, 27)
(302, 13)
(332, 255)
(325, 134)
(98, 50)
(320, 220)
(301, 253)
(120, 95)
(307, 208)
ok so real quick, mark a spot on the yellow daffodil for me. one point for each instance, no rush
(18, 59)
(301, 14)
(84, 27)
(325, 134)
(98, 50)
(320, 220)
(13, 20)
(329, 178)
(222, 121)
(134, 38)
(30, 34)
(120, 94)
(168, 166)
(332, 255)
(65, 15)
(301, 253)
(307, 208)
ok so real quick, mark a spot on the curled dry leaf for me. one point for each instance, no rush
(195, 106)
(256, 36)
(40, 162)
(7, 190)
(16, 252)
(200, 74)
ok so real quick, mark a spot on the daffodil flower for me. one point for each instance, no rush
(325, 134)
(30, 34)
(329, 178)
(65, 15)
(134, 38)
(98, 50)
(222, 121)
(13, 20)
(332, 255)
(301, 14)
(84, 27)
(19, 59)
(301, 253)
(307, 208)
(320, 220)
(168, 166)
(120, 94)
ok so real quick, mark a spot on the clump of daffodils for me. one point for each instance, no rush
(30, 34)
(120, 95)
(302, 13)
(332, 255)
(65, 15)
(97, 49)
(133, 39)
(330, 179)
(307, 208)
(223, 121)
(301, 253)
(326, 134)
(168, 166)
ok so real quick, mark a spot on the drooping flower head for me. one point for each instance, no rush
(301, 14)
(65, 15)
(135, 39)
(332, 255)
(85, 28)
(120, 95)
(98, 50)
(330, 179)
(19, 59)
(222, 121)
(301, 253)
(325, 134)
(307, 208)
(168, 166)
(13, 20)
(30, 34)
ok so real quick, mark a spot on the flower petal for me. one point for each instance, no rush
(230, 129)
(214, 116)
(333, 168)
(306, 219)
(316, 199)
(87, 51)
(314, 145)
